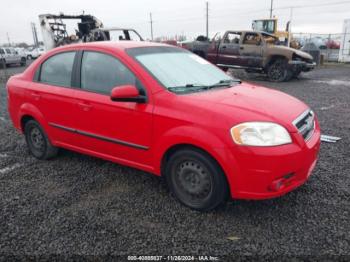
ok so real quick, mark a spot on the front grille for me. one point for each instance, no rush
(305, 124)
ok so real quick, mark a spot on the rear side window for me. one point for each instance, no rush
(251, 39)
(57, 70)
(100, 73)
(2, 51)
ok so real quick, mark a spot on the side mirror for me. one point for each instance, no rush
(127, 93)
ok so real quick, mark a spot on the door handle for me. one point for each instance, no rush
(36, 96)
(85, 106)
(223, 47)
(241, 47)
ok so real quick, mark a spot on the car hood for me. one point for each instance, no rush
(246, 102)
(292, 50)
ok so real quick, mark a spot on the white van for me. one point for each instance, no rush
(10, 56)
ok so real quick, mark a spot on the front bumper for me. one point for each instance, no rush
(268, 172)
(297, 65)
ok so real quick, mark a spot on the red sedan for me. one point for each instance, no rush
(167, 111)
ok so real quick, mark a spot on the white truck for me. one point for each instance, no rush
(9, 56)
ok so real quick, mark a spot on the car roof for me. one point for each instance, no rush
(251, 31)
(120, 45)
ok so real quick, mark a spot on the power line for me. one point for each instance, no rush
(315, 5)
(235, 13)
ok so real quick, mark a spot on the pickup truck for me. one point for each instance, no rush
(253, 51)
(9, 56)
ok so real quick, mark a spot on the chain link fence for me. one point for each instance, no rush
(331, 47)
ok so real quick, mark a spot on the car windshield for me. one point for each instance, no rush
(179, 70)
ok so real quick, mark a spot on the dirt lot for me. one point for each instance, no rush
(76, 204)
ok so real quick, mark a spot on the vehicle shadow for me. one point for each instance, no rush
(143, 188)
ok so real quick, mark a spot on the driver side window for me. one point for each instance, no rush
(100, 73)
(232, 38)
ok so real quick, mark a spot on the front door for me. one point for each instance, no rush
(228, 53)
(10, 58)
(121, 130)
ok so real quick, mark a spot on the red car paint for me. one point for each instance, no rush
(149, 130)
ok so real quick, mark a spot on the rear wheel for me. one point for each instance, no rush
(23, 61)
(38, 142)
(196, 179)
(2, 63)
(278, 71)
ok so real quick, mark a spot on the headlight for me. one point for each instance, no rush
(260, 134)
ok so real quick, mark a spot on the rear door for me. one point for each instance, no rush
(228, 53)
(9, 56)
(53, 94)
(120, 130)
(16, 56)
(251, 50)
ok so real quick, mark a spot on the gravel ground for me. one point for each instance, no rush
(80, 205)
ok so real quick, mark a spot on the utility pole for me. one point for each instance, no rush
(35, 35)
(8, 39)
(290, 25)
(207, 19)
(271, 8)
(151, 22)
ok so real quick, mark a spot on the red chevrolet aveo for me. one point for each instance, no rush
(167, 111)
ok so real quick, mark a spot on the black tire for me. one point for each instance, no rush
(3, 63)
(278, 71)
(38, 142)
(23, 61)
(296, 74)
(196, 179)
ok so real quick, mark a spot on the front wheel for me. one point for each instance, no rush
(196, 180)
(38, 142)
(278, 71)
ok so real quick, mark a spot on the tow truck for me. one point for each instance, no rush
(90, 29)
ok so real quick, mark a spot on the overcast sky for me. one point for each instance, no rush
(176, 17)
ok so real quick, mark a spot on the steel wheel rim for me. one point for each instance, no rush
(192, 181)
(276, 72)
(37, 139)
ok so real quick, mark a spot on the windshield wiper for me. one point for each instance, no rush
(188, 87)
(195, 87)
(224, 82)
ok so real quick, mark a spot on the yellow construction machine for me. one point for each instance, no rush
(270, 26)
